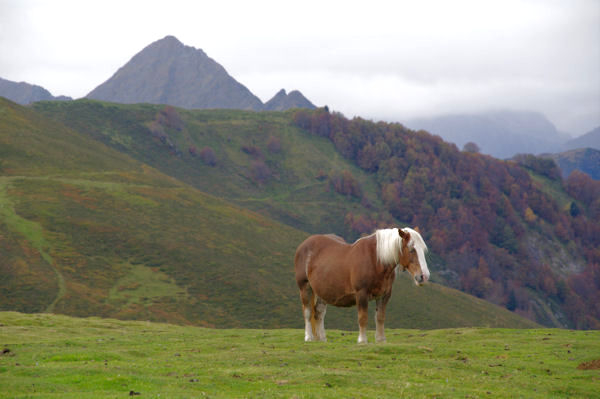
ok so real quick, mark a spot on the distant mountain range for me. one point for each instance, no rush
(501, 134)
(169, 72)
(25, 93)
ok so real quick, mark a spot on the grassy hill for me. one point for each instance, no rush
(494, 230)
(261, 161)
(56, 356)
(87, 230)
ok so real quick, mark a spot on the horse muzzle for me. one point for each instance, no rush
(421, 279)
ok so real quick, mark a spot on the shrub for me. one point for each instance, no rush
(208, 156)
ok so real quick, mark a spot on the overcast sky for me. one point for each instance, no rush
(391, 60)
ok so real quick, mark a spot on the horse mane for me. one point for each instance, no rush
(389, 244)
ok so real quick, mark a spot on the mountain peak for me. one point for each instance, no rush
(171, 40)
(169, 72)
(283, 101)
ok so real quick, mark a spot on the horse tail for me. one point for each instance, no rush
(313, 321)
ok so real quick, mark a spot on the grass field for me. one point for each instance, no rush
(57, 356)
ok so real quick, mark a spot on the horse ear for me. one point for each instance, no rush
(404, 235)
(417, 229)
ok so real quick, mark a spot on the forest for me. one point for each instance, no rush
(490, 221)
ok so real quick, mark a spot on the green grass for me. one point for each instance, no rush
(57, 356)
(142, 285)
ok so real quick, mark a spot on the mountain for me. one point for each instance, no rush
(586, 160)
(25, 93)
(88, 230)
(168, 72)
(501, 134)
(283, 101)
(501, 230)
(588, 140)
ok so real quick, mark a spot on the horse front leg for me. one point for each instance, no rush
(380, 304)
(362, 302)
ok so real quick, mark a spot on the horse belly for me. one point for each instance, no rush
(334, 290)
(345, 301)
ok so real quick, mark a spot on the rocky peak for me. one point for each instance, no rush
(283, 101)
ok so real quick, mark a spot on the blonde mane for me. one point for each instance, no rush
(389, 245)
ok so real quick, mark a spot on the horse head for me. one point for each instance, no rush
(412, 255)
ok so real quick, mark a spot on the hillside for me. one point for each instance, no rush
(257, 160)
(168, 72)
(500, 230)
(87, 230)
(56, 356)
(25, 93)
(512, 233)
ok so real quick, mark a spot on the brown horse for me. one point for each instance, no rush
(331, 271)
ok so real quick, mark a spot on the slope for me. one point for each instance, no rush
(257, 160)
(86, 230)
(501, 233)
(320, 172)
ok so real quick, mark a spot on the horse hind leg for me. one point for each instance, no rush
(307, 298)
(319, 312)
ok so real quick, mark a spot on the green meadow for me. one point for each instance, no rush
(44, 355)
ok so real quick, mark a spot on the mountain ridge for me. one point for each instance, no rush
(502, 133)
(25, 93)
(590, 139)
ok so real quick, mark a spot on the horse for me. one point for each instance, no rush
(330, 271)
